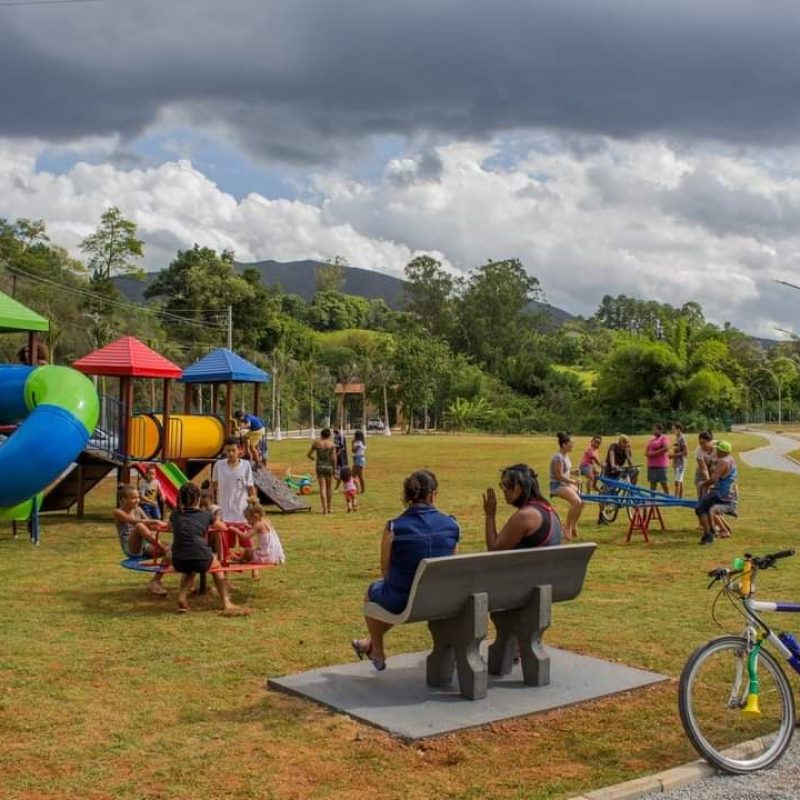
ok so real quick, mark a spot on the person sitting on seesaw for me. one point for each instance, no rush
(218, 530)
(421, 531)
(191, 553)
(263, 544)
(137, 534)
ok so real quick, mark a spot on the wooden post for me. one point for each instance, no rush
(33, 346)
(165, 445)
(228, 407)
(81, 491)
(215, 400)
(126, 398)
(188, 388)
(256, 393)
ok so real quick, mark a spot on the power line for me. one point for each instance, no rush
(166, 315)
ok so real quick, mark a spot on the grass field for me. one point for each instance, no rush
(105, 692)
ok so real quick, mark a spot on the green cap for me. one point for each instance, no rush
(723, 446)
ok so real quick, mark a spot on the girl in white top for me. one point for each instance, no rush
(266, 547)
(562, 485)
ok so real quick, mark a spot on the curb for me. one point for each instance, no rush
(667, 781)
(675, 778)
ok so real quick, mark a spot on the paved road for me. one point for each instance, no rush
(772, 456)
(782, 782)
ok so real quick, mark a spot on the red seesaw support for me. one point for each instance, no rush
(643, 516)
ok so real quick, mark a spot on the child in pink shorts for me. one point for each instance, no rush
(350, 488)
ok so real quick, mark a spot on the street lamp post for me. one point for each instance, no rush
(779, 384)
(755, 389)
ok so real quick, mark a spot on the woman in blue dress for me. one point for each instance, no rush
(421, 531)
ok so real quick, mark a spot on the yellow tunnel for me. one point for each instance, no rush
(190, 436)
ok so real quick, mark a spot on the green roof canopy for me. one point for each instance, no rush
(16, 317)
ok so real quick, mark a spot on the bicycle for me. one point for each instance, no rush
(735, 701)
(608, 512)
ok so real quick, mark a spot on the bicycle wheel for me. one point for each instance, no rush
(608, 513)
(711, 698)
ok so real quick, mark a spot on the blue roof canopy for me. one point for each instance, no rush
(221, 366)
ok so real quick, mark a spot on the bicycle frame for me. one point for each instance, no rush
(757, 633)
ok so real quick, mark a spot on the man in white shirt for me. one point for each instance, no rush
(232, 483)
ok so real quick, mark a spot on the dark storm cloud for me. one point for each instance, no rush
(310, 79)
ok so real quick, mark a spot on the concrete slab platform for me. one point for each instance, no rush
(398, 700)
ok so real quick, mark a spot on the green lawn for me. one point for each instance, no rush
(105, 692)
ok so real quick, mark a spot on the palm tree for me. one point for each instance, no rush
(282, 367)
(382, 373)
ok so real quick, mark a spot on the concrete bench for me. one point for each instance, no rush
(455, 595)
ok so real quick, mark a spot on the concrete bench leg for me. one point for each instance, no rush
(456, 643)
(521, 631)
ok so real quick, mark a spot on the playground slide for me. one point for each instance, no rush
(58, 409)
(272, 489)
(171, 478)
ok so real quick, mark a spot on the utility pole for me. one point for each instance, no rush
(230, 327)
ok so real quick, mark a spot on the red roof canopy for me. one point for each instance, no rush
(127, 357)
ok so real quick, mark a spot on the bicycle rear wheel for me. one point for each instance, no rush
(711, 698)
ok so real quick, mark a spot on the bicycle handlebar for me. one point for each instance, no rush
(760, 562)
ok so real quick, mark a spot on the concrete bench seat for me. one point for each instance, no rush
(456, 595)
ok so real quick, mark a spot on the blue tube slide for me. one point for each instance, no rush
(57, 408)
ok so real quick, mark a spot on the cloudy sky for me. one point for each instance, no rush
(645, 147)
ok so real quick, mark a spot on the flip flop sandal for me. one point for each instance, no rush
(378, 663)
(359, 650)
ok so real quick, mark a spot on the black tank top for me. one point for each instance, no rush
(548, 533)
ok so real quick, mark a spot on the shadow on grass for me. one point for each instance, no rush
(135, 602)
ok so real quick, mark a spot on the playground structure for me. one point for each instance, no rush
(50, 413)
(643, 505)
(224, 368)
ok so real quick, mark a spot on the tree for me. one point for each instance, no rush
(199, 285)
(113, 247)
(640, 373)
(462, 413)
(494, 314)
(334, 311)
(429, 295)
(330, 277)
(419, 363)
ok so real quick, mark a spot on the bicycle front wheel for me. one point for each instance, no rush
(712, 695)
(608, 512)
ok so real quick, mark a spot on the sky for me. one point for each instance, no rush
(637, 147)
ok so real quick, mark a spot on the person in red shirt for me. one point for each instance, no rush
(657, 453)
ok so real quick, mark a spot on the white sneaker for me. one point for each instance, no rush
(156, 588)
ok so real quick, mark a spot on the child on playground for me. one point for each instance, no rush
(350, 489)
(359, 458)
(265, 546)
(218, 531)
(150, 494)
(590, 466)
(191, 554)
(138, 535)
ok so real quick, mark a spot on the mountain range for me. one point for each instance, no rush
(298, 277)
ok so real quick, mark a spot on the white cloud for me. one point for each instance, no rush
(646, 218)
